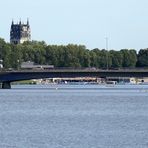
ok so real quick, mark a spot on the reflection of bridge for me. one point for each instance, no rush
(6, 77)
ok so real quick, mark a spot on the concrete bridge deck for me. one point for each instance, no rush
(6, 77)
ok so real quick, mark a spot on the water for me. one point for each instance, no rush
(74, 116)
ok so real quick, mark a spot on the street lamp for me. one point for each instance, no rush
(106, 39)
(18, 64)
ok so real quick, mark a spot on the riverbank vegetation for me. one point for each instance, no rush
(76, 56)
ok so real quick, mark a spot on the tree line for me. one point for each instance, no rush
(75, 56)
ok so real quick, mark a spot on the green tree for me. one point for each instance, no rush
(129, 58)
(143, 58)
(116, 58)
(6, 56)
(105, 61)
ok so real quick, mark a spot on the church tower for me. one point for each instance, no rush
(20, 32)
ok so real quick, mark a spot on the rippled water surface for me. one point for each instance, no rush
(74, 116)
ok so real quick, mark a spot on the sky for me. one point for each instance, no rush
(86, 22)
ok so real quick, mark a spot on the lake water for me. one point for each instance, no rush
(74, 116)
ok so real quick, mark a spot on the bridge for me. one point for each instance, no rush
(6, 77)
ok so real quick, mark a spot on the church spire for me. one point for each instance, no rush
(12, 22)
(20, 22)
(27, 22)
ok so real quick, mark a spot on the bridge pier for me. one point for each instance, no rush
(6, 85)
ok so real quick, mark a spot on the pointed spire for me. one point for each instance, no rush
(12, 22)
(27, 21)
(20, 22)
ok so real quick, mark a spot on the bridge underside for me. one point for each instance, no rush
(7, 77)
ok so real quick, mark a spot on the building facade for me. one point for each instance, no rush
(20, 32)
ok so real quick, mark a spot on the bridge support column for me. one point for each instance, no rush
(6, 85)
